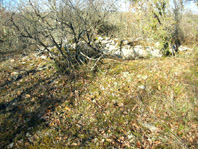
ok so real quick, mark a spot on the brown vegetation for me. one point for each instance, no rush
(63, 92)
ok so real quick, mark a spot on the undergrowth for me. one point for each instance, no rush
(147, 103)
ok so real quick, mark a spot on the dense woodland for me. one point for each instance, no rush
(84, 73)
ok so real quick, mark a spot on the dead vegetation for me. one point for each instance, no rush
(139, 104)
(99, 102)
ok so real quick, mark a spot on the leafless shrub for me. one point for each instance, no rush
(60, 23)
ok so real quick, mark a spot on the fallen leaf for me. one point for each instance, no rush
(67, 108)
(138, 144)
(27, 96)
(108, 140)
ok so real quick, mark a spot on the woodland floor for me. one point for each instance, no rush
(146, 103)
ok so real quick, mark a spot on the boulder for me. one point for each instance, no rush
(140, 51)
(127, 52)
(154, 52)
(113, 48)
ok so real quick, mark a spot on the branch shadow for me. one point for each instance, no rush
(6, 55)
(18, 117)
(18, 77)
(22, 115)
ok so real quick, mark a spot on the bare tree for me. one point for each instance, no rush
(59, 23)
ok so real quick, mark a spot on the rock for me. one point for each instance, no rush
(113, 48)
(12, 60)
(14, 73)
(125, 74)
(182, 48)
(104, 42)
(142, 77)
(128, 52)
(28, 134)
(105, 51)
(154, 52)
(124, 42)
(113, 43)
(150, 127)
(131, 136)
(110, 46)
(25, 58)
(128, 77)
(134, 52)
(148, 39)
(141, 87)
(11, 145)
(100, 38)
(107, 38)
(43, 57)
(157, 44)
(72, 46)
(140, 52)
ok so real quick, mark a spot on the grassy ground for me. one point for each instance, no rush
(150, 103)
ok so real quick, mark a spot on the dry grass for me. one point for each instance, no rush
(148, 103)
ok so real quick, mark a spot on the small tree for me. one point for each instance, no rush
(160, 23)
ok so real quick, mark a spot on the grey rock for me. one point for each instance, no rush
(128, 52)
(110, 46)
(12, 60)
(43, 57)
(10, 145)
(141, 52)
(131, 136)
(104, 42)
(100, 38)
(141, 87)
(157, 44)
(154, 52)
(151, 127)
(14, 73)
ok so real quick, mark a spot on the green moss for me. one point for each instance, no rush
(178, 89)
(96, 38)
